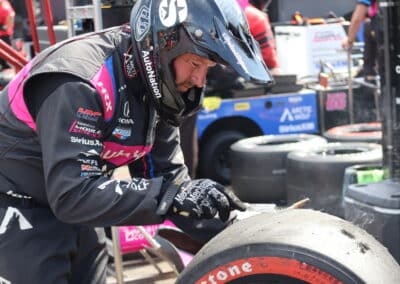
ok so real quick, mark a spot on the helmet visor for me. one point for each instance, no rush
(226, 40)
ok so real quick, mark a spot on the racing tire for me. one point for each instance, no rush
(259, 165)
(319, 173)
(215, 156)
(360, 132)
(293, 246)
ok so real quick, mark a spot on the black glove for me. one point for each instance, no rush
(203, 198)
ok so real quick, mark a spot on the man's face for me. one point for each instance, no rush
(191, 71)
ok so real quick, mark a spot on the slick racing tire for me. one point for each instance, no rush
(259, 165)
(294, 246)
(359, 132)
(318, 173)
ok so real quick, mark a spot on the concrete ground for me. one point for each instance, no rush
(138, 270)
(145, 273)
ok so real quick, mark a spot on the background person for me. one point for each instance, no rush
(7, 16)
(90, 104)
(260, 28)
(365, 12)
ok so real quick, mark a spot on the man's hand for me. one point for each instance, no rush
(347, 43)
(203, 198)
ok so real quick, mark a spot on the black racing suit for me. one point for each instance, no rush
(72, 115)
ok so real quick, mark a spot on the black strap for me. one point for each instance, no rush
(167, 199)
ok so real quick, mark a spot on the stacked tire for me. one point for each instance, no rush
(258, 165)
(370, 132)
(318, 173)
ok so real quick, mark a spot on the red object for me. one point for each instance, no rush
(297, 19)
(6, 11)
(12, 56)
(260, 28)
(12, 52)
(48, 17)
(32, 24)
(324, 80)
(7, 57)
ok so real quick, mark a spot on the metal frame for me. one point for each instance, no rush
(154, 248)
(74, 12)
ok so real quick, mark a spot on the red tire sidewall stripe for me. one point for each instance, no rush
(268, 265)
(372, 134)
(350, 130)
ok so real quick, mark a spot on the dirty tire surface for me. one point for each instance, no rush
(292, 247)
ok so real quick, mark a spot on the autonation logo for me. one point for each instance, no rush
(151, 73)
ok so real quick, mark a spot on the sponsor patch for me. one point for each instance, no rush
(128, 121)
(151, 74)
(17, 195)
(111, 184)
(85, 129)
(91, 153)
(127, 110)
(168, 39)
(12, 215)
(138, 184)
(91, 162)
(88, 114)
(106, 95)
(86, 142)
(110, 154)
(122, 133)
(129, 66)
(120, 155)
(90, 170)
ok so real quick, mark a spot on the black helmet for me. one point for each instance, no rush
(214, 29)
